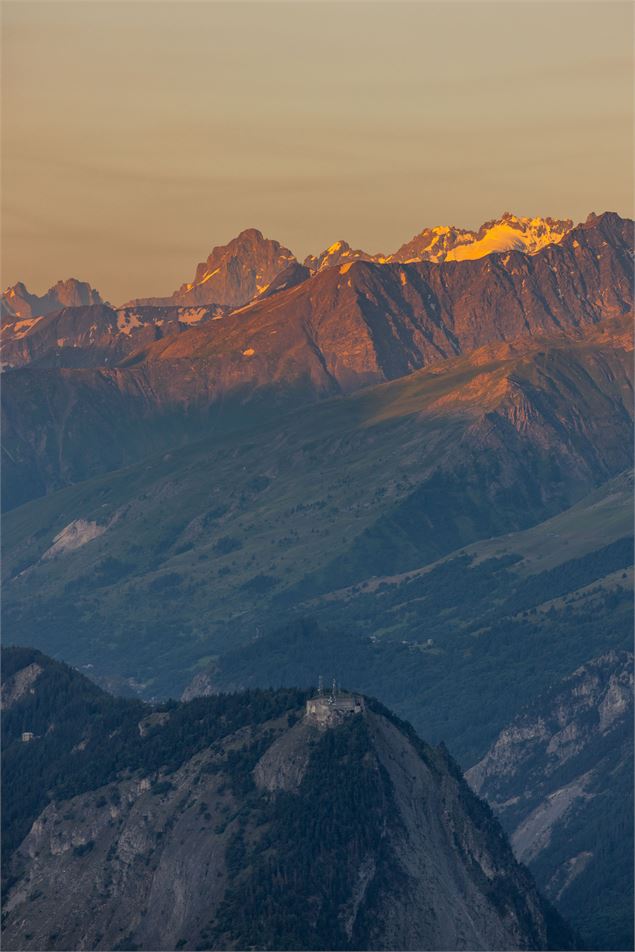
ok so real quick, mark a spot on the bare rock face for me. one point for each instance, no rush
(284, 764)
(560, 776)
(201, 685)
(74, 536)
(232, 274)
(18, 685)
(194, 844)
(339, 253)
(17, 305)
(289, 277)
(126, 861)
(361, 323)
(95, 335)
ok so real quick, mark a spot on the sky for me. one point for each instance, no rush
(136, 136)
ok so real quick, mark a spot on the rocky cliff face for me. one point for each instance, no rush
(232, 274)
(339, 253)
(212, 843)
(95, 335)
(560, 779)
(19, 305)
(362, 322)
(365, 322)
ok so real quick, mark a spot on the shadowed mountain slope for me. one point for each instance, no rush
(560, 777)
(18, 305)
(242, 821)
(336, 332)
(95, 335)
(362, 323)
(207, 541)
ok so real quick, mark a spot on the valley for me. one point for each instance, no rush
(412, 472)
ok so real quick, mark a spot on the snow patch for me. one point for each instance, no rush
(533, 235)
(20, 328)
(127, 321)
(209, 275)
(192, 315)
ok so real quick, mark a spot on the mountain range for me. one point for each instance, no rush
(332, 333)
(17, 305)
(235, 273)
(412, 471)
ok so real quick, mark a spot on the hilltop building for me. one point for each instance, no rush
(330, 709)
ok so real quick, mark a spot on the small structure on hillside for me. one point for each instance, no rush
(329, 709)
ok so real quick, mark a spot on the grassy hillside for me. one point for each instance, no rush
(190, 554)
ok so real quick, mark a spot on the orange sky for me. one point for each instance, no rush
(138, 135)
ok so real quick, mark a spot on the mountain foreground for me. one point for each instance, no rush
(245, 821)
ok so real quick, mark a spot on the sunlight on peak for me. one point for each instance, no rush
(535, 234)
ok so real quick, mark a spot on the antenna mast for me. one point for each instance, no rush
(320, 686)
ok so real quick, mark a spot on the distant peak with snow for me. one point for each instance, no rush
(507, 233)
(337, 254)
(449, 243)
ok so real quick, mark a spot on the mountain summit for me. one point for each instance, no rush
(508, 233)
(449, 243)
(233, 273)
(339, 253)
(263, 820)
(17, 303)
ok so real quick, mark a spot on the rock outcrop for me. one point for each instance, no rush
(195, 839)
(232, 274)
(560, 779)
(18, 305)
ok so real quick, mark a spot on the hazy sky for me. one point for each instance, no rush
(138, 135)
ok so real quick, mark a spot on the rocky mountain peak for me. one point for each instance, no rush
(171, 843)
(340, 252)
(232, 274)
(507, 233)
(17, 303)
(75, 293)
